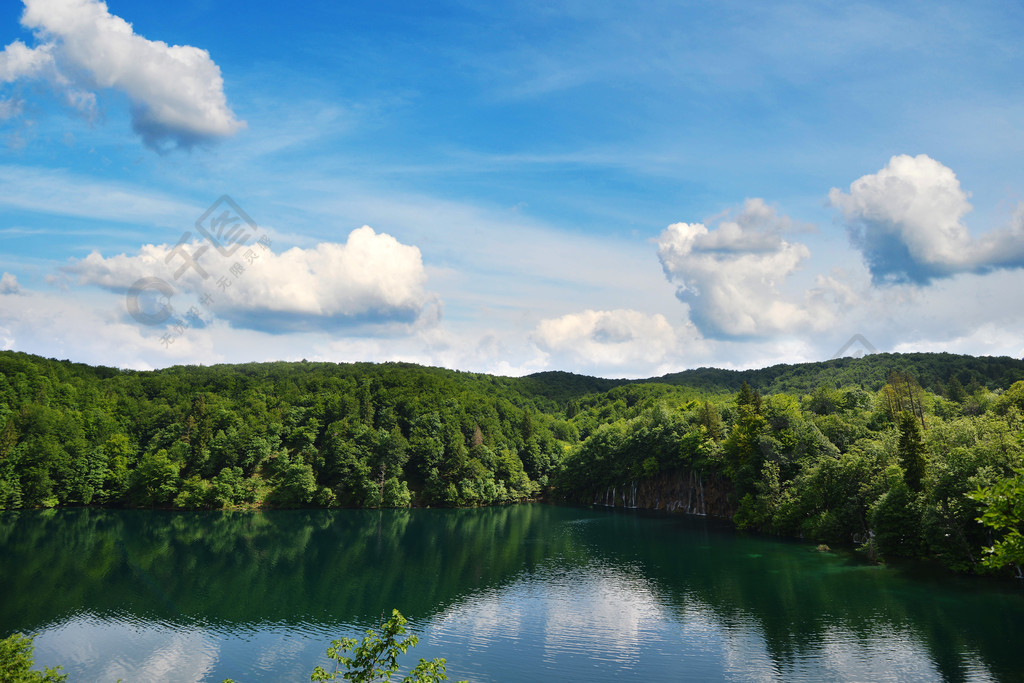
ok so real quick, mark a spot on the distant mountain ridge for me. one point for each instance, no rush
(870, 371)
(932, 370)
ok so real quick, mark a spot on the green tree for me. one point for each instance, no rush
(155, 481)
(894, 518)
(903, 394)
(390, 456)
(742, 447)
(749, 397)
(395, 494)
(16, 660)
(228, 488)
(296, 486)
(120, 453)
(955, 391)
(757, 510)
(1004, 512)
(1012, 397)
(709, 417)
(911, 450)
(375, 658)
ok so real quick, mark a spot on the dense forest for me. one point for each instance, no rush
(901, 454)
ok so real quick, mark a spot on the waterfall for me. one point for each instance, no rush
(703, 507)
(689, 495)
(667, 493)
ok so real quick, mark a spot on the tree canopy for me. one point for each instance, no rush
(902, 453)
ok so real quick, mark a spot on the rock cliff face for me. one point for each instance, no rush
(689, 492)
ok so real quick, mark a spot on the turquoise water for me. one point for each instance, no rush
(519, 593)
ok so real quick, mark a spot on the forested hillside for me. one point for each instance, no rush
(277, 434)
(933, 371)
(900, 453)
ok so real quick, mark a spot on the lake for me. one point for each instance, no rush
(518, 593)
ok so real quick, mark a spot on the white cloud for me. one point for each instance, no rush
(92, 648)
(18, 61)
(53, 191)
(731, 275)
(967, 313)
(51, 323)
(611, 339)
(1003, 248)
(56, 325)
(737, 275)
(9, 284)
(176, 91)
(371, 279)
(907, 221)
(501, 271)
(988, 339)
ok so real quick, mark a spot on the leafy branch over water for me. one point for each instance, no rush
(16, 660)
(374, 659)
(1004, 512)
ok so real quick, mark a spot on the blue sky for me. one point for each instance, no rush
(621, 189)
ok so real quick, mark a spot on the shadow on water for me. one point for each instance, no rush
(233, 571)
(799, 597)
(253, 567)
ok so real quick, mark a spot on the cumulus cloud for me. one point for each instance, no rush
(52, 323)
(18, 61)
(731, 274)
(907, 221)
(9, 284)
(371, 279)
(608, 338)
(176, 91)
